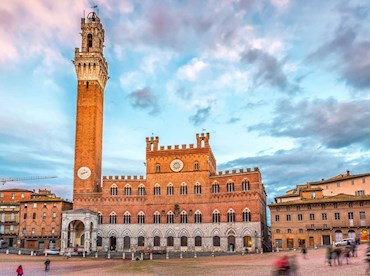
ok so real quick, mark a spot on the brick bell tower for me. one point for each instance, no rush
(92, 75)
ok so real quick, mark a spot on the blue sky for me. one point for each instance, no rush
(283, 85)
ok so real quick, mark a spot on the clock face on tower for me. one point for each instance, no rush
(84, 173)
(176, 165)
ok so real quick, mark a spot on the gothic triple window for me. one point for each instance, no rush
(183, 217)
(170, 189)
(197, 189)
(231, 215)
(170, 217)
(245, 185)
(183, 189)
(215, 188)
(141, 190)
(230, 187)
(157, 189)
(127, 190)
(157, 218)
(247, 215)
(198, 217)
(114, 190)
(127, 218)
(216, 216)
(113, 218)
(141, 218)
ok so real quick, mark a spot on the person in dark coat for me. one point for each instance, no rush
(47, 265)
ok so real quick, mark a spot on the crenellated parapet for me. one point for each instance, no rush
(124, 177)
(240, 171)
(152, 144)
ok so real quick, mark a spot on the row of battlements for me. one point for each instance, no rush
(123, 177)
(152, 143)
(227, 172)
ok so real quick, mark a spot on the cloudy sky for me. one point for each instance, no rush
(279, 84)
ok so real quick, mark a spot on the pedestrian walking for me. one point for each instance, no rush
(19, 271)
(304, 251)
(329, 254)
(347, 253)
(367, 258)
(282, 266)
(47, 265)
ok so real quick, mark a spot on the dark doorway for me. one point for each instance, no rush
(126, 242)
(112, 243)
(326, 239)
(231, 243)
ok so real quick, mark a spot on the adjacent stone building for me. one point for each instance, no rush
(40, 220)
(182, 203)
(322, 212)
(9, 215)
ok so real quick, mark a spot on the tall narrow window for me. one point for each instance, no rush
(196, 166)
(157, 168)
(170, 217)
(100, 218)
(89, 40)
(198, 241)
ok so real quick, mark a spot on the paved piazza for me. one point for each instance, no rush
(254, 264)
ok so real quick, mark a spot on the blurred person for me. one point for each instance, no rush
(282, 266)
(337, 252)
(47, 265)
(293, 266)
(19, 271)
(329, 254)
(304, 251)
(347, 253)
(367, 259)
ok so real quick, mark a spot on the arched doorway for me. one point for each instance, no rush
(351, 234)
(112, 243)
(231, 243)
(76, 235)
(364, 236)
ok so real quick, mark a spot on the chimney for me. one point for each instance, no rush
(348, 172)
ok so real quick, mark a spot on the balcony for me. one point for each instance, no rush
(337, 225)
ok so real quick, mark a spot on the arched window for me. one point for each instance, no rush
(113, 190)
(89, 40)
(140, 241)
(99, 241)
(230, 187)
(157, 217)
(183, 217)
(127, 190)
(231, 215)
(216, 216)
(127, 217)
(157, 168)
(157, 189)
(141, 218)
(113, 218)
(141, 190)
(215, 188)
(184, 241)
(216, 241)
(170, 189)
(197, 189)
(170, 217)
(198, 241)
(245, 185)
(170, 241)
(198, 217)
(196, 166)
(157, 241)
(100, 218)
(247, 215)
(183, 189)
